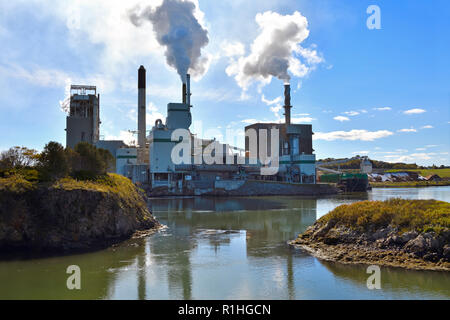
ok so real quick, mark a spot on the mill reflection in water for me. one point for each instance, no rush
(223, 248)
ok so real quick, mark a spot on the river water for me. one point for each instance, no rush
(224, 248)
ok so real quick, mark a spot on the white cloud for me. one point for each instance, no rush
(277, 100)
(361, 152)
(427, 127)
(351, 113)
(124, 136)
(153, 114)
(413, 157)
(352, 135)
(407, 130)
(37, 76)
(302, 120)
(383, 109)
(414, 111)
(341, 118)
(232, 49)
(301, 114)
(421, 149)
(276, 110)
(280, 120)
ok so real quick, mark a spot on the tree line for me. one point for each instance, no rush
(84, 162)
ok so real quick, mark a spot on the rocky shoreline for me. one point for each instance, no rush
(71, 217)
(335, 241)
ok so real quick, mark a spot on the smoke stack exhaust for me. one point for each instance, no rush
(142, 107)
(287, 103)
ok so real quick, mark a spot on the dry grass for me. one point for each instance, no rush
(406, 215)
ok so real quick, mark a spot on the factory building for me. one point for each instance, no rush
(83, 119)
(297, 162)
(150, 161)
(83, 125)
(162, 168)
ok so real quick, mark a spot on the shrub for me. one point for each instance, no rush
(18, 157)
(53, 162)
(88, 162)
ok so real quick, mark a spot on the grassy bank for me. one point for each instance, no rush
(409, 184)
(412, 234)
(443, 173)
(69, 214)
(405, 215)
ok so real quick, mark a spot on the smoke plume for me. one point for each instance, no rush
(179, 31)
(276, 51)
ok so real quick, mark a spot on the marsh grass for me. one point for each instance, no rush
(406, 215)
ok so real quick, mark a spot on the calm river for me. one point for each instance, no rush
(224, 248)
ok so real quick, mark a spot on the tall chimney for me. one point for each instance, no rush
(184, 93)
(287, 103)
(188, 89)
(142, 128)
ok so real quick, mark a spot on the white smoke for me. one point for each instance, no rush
(276, 51)
(177, 29)
(65, 104)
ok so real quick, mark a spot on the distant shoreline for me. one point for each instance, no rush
(409, 184)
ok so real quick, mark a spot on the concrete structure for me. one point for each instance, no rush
(151, 160)
(162, 169)
(125, 157)
(297, 162)
(366, 165)
(83, 120)
(112, 146)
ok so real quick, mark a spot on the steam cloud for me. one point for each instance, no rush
(177, 29)
(276, 51)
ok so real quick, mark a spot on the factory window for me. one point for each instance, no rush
(285, 148)
(295, 146)
(161, 176)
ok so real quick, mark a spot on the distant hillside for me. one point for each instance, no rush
(354, 163)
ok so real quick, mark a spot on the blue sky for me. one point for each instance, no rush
(385, 93)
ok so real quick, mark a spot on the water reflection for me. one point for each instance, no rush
(222, 248)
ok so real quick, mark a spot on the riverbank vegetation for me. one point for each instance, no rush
(413, 234)
(405, 215)
(409, 184)
(84, 163)
(64, 199)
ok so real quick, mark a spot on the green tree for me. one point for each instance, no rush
(88, 162)
(53, 162)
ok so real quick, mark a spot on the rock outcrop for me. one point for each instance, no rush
(334, 240)
(46, 218)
